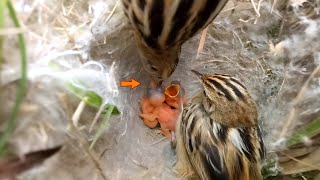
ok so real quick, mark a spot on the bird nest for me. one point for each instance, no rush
(78, 51)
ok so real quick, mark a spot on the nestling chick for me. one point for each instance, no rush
(162, 106)
(154, 98)
(162, 26)
(218, 137)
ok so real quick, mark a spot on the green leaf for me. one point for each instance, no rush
(309, 130)
(89, 97)
(114, 112)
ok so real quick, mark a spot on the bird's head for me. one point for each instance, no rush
(227, 100)
(159, 63)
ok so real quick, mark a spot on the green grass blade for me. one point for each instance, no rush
(103, 124)
(22, 83)
(2, 14)
(308, 130)
(89, 97)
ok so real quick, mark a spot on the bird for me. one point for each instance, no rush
(162, 106)
(160, 27)
(218, 136)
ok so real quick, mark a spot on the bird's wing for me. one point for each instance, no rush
(204, 12)
(219, 152)
(204, 152)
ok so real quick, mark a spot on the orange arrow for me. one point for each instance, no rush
(133, 83)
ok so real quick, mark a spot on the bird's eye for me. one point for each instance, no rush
(153, 68)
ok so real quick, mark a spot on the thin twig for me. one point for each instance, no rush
(153, 133)
(235, 34)
(302, 162)
(96, 117)
(260, 65)
(202, 41)
(213, 61)
(158, 141)
(246, 21)
(112, 12)
(255, 8)
(273, 4)
(291, 118)
(76, 115)
(79, 137)
(103, 152)
(138, 163)
(229, 9)
(258, 9)
(235, 63)
(281, 86)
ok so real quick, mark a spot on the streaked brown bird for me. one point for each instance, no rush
(162, 26)
(218, 137)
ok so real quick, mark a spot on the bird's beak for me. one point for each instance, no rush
(197, 73)
(173, 90)
(160, 82)
(156, 81)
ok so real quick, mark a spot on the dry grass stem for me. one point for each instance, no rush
(273, 5)
(202, 41)
(302, 162)
(290, 120)
(96, 117)
(112, 12)
(79, 137)
(77, 114)
(158, 141)
(256, 9)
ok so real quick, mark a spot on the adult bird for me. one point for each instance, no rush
(162, 26)
(218, 136)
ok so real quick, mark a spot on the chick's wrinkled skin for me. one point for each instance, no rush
(163, 107)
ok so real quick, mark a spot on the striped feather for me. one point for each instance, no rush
(217, 152)
(228, 86)
(226, 91)
(212, 148)
(166, 23)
